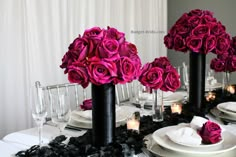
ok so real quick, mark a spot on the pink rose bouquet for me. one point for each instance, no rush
(226, 62)
(160, 74)
(198, 31)
(101, 56)
(87, 104)
(210, 133)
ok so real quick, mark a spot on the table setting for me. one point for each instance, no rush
(159, 119)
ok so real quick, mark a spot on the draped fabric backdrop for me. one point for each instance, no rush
(34, 35)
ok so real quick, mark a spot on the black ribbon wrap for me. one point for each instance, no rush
(103, 111)
(197, 80)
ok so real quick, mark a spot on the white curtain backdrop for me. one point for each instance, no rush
(35, 34)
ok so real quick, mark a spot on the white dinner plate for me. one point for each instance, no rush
(222, 109)
(157, 150)
(217, 113)
(121, 116)
(160, 137)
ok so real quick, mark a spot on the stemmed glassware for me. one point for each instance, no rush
(38, 107)
(140, 94)
(60, 107)
(186, 76)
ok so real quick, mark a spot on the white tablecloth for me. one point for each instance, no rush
(24, 139)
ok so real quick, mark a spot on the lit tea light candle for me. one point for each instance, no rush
(176, 108)
(231, 89)
(134, 122)
(210, 96)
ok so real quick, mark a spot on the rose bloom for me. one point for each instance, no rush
(77, 73)
(127, 49)
(210, 43)
(113, 33)
(196, 12)
(231, 63)
(217, 64)
(194, 21)
(87, 104)
(183, 30)
(151, 76)
(194, 43)
(171, 80)
(217, 28)
(182, 20)
(126, 70)
(161, 62)
(101, 71)
(210, 133)
(179, 44)
(201, 30)
(234, 42)
(168, 41)
(94, 34)
(223, 43)
(108, 48)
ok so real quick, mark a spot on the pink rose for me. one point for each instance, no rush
(183, 30)
(218, 65)
(231, 63)
(201, 30)
(171, 80)
(151, 76)
(137, 62)
(108, 49)
(206, 19)
(217, 28)
(179, 44)
(234, 42)
(209, 13)
(196, 12)
(101, 71)
(209, 44)
(126, 49)
(194, 43)
(82, 47)
(210, 133)
(161, 62)
(68, 59)
(183, 19)
(172, 31)
(77, 73)
(94, 34)
(168, 41)
(87, 104)
(126, 70)
(223, 43)
(194, 21)
(113, 33)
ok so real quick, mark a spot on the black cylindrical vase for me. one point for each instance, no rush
(103, 111)
(197, 80)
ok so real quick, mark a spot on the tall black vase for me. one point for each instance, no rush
(103, 111)
(197, 80)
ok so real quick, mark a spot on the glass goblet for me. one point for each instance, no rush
(60, 110)
(38, 108)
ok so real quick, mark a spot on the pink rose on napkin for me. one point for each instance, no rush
(87, 104)
(210, 133)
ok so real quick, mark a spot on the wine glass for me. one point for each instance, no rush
(38, 107)
(209, 77)
(60, 108)
(186, 77)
